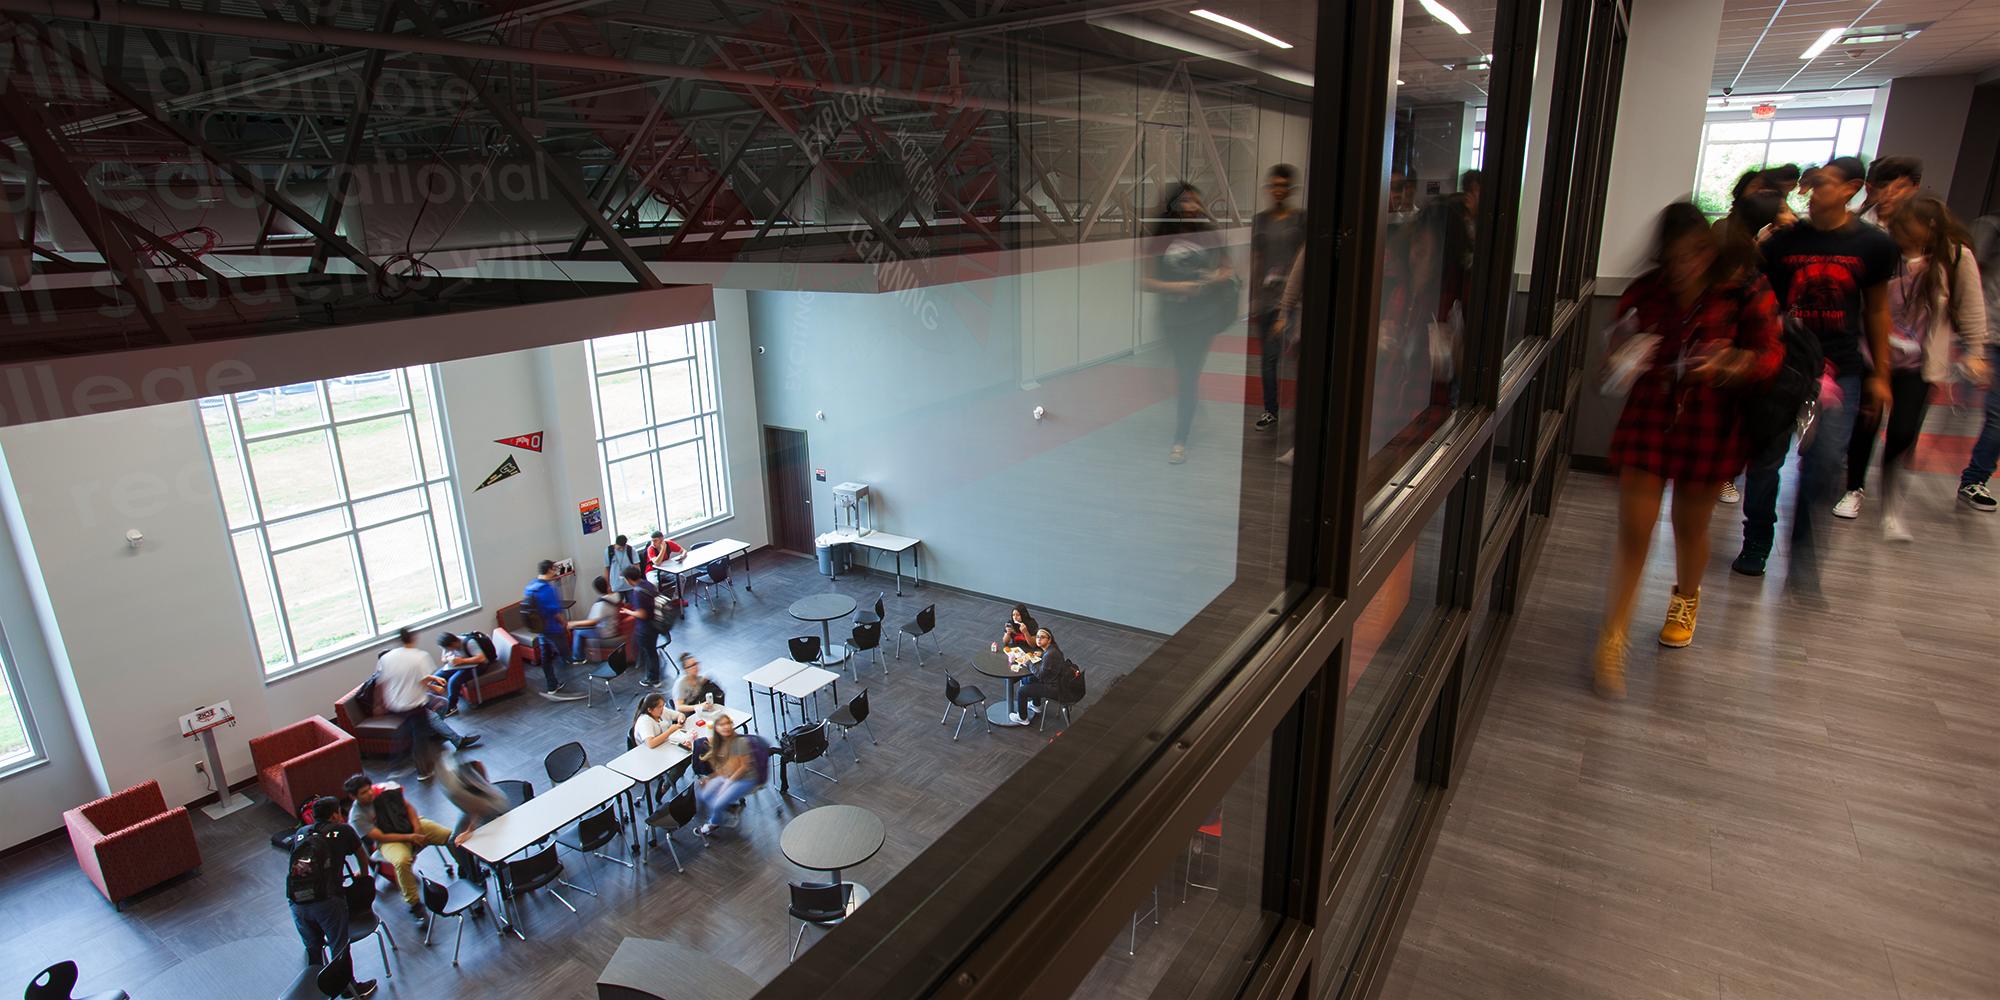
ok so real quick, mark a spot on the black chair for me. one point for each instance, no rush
(1064, 699)
(592, 832)
(805, 648)
(713, 575)
(363, 922)
(818, 905)
(677, 814)
(56, 982)
(802, 745)
(610, 670)
(866, 637)
(565, 762)
(962, 698)
(450, 901)
(874, 615)
(854, 713)
(540, 870)
(515, 791)
(916, 630)
(312, 984)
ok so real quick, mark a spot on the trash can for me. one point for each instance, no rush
(825, 553)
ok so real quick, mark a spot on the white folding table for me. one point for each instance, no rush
(523, 826)
(768, 677)
(882, 541)
(807, 682)
(703, 554)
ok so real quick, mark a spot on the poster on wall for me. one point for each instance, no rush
(528, 442)
(593, 515)
(507, 469)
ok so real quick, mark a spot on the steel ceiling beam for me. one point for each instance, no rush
(350, 149)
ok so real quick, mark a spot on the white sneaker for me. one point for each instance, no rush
(1893, 529)
(1849, 505)
(1729, 494)
(1015, 719)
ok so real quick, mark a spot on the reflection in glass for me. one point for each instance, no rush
(1387, 637)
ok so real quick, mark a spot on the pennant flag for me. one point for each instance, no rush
(506, 469)
(531, 442)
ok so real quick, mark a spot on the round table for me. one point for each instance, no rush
(830, 838)
(824, 608)
(993, 664)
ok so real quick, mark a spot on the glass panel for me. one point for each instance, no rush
(257, 591)
(1534, 175)
(635, 508)
(1387, 637)
(1381, 850)
(361, 395)
(430, 435)
(1738, 131)
(667, 344)
(297, 531)
(1484, 620)
(673, 391)
(616, 351)
(1721, 165)
(372, 512)
(322, 596)
(1198, 932)
(1497, 484)
(1849, 142)
(294, 473)
(228, 466)
(14, 744)
(1804, 128)
(444, 519)
(621, 403)
(629, 445)
(379, 455)
(289, 407)
(680, 473)
(402, 572)
(1421, 347)
(1803, 152)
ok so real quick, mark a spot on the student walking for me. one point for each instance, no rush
(1972, 491)
(314, 878)
(542, 606)
(1276, 234)
(1717, 323)
(1199, 293)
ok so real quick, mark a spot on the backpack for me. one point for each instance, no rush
(1773, 410)
(392, 812)
(316, 866)
(666, 610)
(484, 643)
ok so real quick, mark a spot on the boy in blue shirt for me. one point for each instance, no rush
(543, 608)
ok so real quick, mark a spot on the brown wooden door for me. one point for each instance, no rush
(788, 482)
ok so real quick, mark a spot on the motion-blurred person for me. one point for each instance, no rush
(1741, 233)
(406, 679)
(1892, 180)
(1935, 300)
(599, 631)
(1782, 179)
(1276, 234)
(693, 690)
(466, 786)
(1199, 292)
(732, 766)
(1718, 327)
(1972, 490)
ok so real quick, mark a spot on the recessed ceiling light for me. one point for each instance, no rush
(1826, 38)
(1235, 25)
(1443, 13)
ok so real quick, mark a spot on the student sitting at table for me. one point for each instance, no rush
(1020, 631)
(382, 814)
(1053, 678)
(692, 689)
(600, 630)
(652, 724)
(659, 552)
(734, 771)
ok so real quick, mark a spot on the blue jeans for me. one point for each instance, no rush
(321, 924)
(547, 646)
(1986, 451)
(715, 798)
(1273, 349)
(455, 682)
(1822, 473)
(648, 642)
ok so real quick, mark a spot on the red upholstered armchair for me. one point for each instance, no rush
(379, 735)
(506, 676)
(130, 841)
(303, 761)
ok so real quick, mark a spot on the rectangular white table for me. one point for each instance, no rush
(809, 681)
(519, 828)
(768, 677)
(882, 541)
(703, 554)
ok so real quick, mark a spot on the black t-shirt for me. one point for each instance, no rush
(1819, 277)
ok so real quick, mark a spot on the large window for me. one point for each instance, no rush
(659, 429)
(17, 739)
(1728, 148)
(341, 507)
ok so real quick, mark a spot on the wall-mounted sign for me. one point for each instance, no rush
(819, 474)
(529, 442)
(592, 513)
(506, 469)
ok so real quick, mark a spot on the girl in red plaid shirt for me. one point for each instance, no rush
(1718, 329)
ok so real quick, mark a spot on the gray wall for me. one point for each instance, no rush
(1925, 117)
(1975, 182)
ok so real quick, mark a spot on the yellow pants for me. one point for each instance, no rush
(404, 857)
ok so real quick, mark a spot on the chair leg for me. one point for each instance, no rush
(387, 973)
(850, 747)
(961, 725)
(871, 734)
(428, 924)
(801, 936)
(559, 896)
(821, 773)
(588, 892)
(615, 861)
(458, 939)
(676, 855)
(947, 714)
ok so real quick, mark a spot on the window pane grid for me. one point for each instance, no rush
(675, 438)
(314, 591)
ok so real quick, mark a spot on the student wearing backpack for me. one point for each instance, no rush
(1972, 490)
(1831, 273)
(645, 613)
(618, 556)
(462, 657)
(543, 608)
(313, 877)
(1682, 423)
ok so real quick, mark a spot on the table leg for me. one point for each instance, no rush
(825, 641)
(899, 573)
(747, 585)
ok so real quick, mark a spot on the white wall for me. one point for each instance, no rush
(1669, 64)
(143, 636)
(1925, 118)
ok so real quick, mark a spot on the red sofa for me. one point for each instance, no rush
(130, 841)
(303, 761)
(379, 735)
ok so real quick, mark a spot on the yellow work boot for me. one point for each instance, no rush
(1679, 629)
(1608, 664)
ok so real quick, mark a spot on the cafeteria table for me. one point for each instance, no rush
(824, 608)
(833, 838)
(523, 826)
(996, 664)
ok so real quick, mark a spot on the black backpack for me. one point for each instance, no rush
(666, 610)
(1771, 411)
(484, 643)
(316, 866)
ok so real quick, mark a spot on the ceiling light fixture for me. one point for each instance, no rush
(1235, 25)
(1443, 13)
(1826, 38)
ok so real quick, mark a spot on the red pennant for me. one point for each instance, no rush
(531, 442)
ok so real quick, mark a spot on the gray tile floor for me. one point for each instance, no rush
(1804, 803)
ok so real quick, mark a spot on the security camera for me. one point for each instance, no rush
(1039, 412)
(134, 537)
